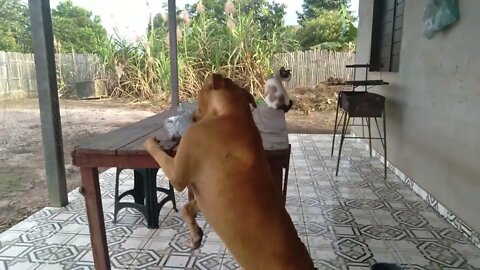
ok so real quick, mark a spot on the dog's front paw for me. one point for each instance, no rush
(151, 144)
(196, 238)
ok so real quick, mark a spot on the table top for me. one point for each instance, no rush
(129, 139)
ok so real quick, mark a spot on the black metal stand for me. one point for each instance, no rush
(144, 193)
(346, 124)
(362, 105)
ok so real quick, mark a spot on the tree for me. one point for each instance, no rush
(214, 9)
(157, 26)
(159, 23)
(327, 31)
(270, 16)
(77, 29)
(312, 8)
(14, 27)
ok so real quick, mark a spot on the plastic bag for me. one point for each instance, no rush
(438, 15)
(177, 125)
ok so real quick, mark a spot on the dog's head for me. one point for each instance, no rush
(221, 88)
(285, 74)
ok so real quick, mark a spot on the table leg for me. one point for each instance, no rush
(276, 169)
(96, 223)
(139, 187)
(150, 177)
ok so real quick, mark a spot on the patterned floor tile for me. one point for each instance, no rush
(10, 237)
(211, 261)
(325, 265)
(349, 221)
(179, 261)
(149, 259)
(19, 266)
(229, 263)
(383, 232)
(323, 253)
(353, 250)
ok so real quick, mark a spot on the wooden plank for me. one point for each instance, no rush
(312, 67)
(386, 51)
(81, 159)
(136, 147)
(399, 22)
(110, 142)
(397, 35)
(48, 99)
(396, 48)
(136, 160)
(389, 16)
(400, 8)
(389, 4)
(29, 74)
(8, 65)
(395, 63)
(21, 70)
(271, 123)
(3, 74)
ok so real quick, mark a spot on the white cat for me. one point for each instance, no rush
(276, 96)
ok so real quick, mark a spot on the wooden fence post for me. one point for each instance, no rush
(7, 64)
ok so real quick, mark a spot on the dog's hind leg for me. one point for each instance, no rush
(189, 213)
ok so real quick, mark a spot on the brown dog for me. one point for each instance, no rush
(222, 160)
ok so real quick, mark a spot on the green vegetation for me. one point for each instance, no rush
(235, 37)
(77, 29)
(312, 8)
(326, 24)
(14, 27)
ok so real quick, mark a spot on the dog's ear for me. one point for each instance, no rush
(217, 81)
(251, 99)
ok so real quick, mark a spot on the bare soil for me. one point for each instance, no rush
(313, 109)
(23, 188)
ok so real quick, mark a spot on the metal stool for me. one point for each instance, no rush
(279, 161)
(279, 167)
(144, 193)
(363, 105)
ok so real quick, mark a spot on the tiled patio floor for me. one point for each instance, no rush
(347, 222)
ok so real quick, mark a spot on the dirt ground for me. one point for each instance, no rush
(22, 177)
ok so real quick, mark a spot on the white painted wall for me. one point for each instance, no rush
(433, 106)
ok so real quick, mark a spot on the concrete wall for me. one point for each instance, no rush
(433, 106)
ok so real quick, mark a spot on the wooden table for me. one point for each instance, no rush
(123, 148)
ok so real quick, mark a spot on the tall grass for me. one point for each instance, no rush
(238, 49)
